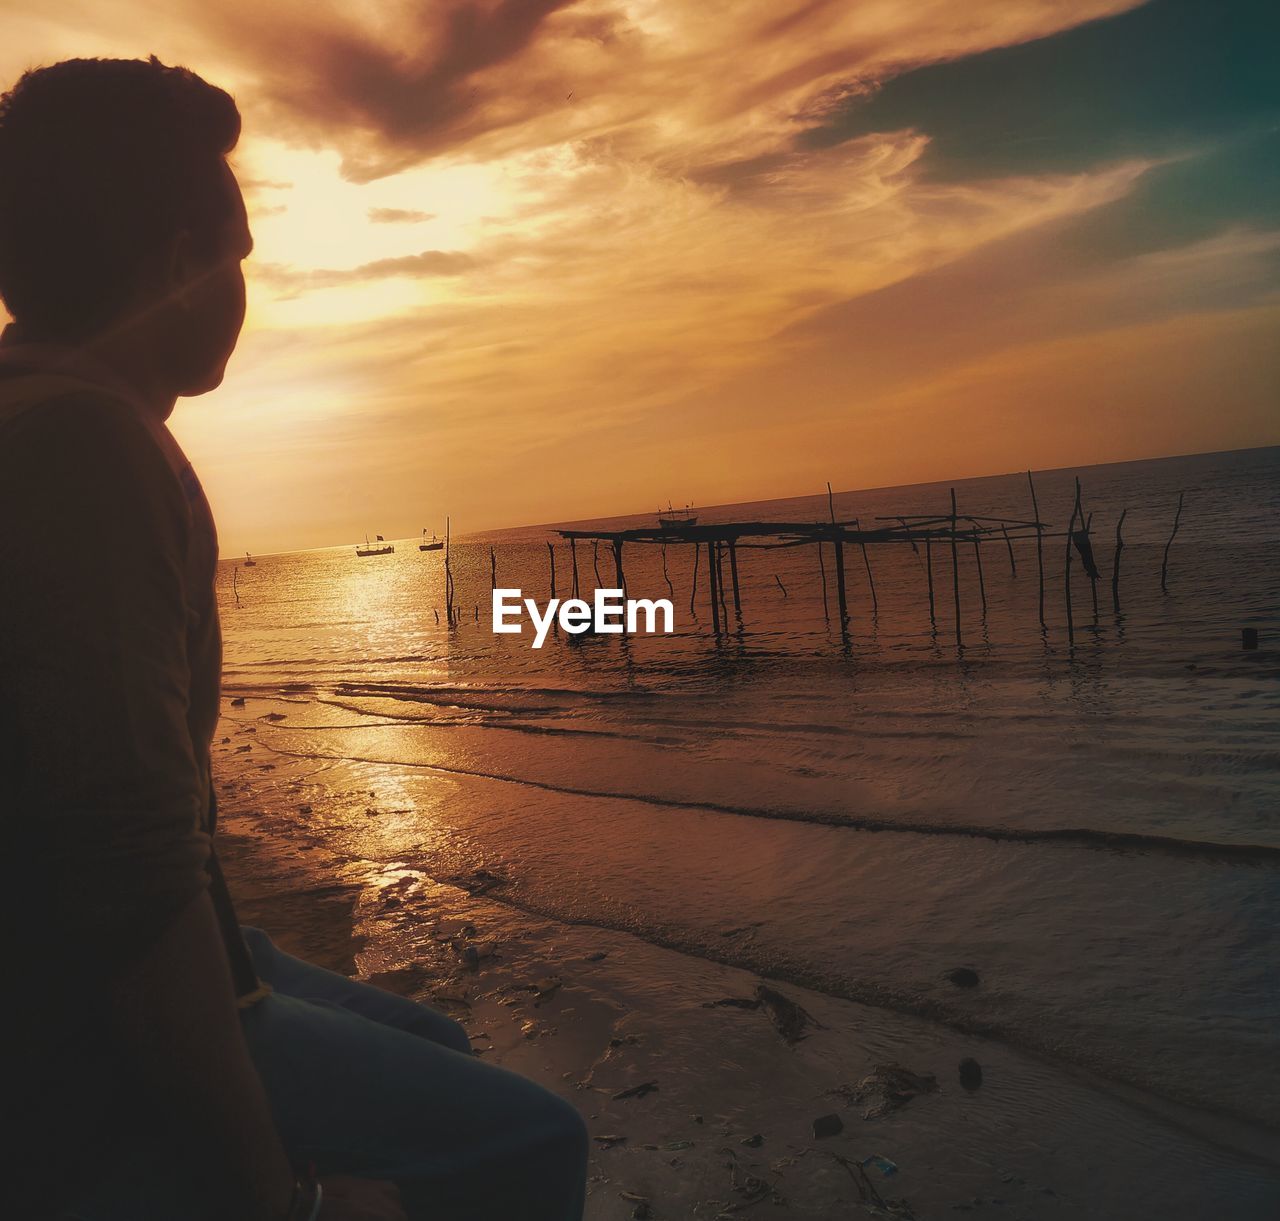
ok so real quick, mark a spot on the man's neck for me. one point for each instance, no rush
(118, 360)
(136, 370)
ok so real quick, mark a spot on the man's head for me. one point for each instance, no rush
(119, 216)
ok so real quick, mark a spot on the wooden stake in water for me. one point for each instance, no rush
(955, 570)
(1093, 574)
(724, 610)
(573, 559)
(1035, 513)
(840, 593)
(448, 578)
(617, 566)
(665, 575)
(982, 585)
(551, 552)
(1115, 565)
(693, 593)
(711, 587)
(822, 568)
(1008, 542)
(493, 569)
(1164, 564)
(928, 567)
(866, 559)
(1066, 576)
(781, 586)
(733, 572)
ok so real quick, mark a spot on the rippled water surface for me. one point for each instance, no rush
(1093, 828)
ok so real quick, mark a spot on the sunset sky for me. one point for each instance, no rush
(528, 260)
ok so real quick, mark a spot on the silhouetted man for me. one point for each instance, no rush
(164, 1064)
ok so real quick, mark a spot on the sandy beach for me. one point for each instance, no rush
(705, 1087)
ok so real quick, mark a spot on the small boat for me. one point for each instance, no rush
(435, 544)
(380, 547)
(249, 561)
(675, 519)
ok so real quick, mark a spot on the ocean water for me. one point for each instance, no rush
(1093, 828)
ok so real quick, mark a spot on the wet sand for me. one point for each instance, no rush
(701, 1100)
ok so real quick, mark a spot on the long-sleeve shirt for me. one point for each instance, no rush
(110, 659)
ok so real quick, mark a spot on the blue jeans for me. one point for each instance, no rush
(366, 1083)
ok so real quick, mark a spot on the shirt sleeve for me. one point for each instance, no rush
(104, 794)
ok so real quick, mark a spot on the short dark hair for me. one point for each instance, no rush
(102, 163)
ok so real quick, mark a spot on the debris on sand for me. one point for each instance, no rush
(732, 1002)
(872, 1201)
(970, 1074)
(545, 988)
(881, 1163)
(275, 716)
(964, 977)
(238, 702)
(479, 882)
(636, 1091)
(642, 1211)
(403, 981)
(827, 1125)
(608, 1141)
(886, 1088)
(790, 1021)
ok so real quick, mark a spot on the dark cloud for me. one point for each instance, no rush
(398, 216)
(290, 281)
(413, 100)
(1154, 80)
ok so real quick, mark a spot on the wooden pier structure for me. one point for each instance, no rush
(954, 532)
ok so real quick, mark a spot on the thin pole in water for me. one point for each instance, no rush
(822, 568)
(866, 559)
(955, 570)
(693, 592)
(733, 572)
(1164, 564)
(928, 567)
(1066, 576)
(1115, 564)
(982, 585)
(711, 590)
(1035, 512)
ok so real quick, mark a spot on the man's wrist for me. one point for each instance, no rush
(305, 1202)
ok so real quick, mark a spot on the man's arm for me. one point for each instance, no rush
(175, 1017)
(95, 667)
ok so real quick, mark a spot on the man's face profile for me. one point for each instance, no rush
(204, 300)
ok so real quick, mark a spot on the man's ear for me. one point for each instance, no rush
(180, 270)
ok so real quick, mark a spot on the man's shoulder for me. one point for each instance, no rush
(69, 429)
